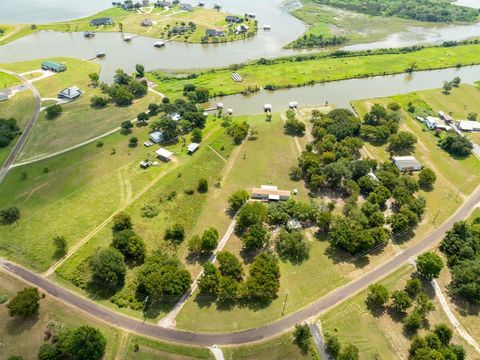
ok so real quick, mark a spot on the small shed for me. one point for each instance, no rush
(156, 137)
(70, 93)
(174, 116)
(407, 163)
(147, 22)
(164, 154)
(191, 148)
(186, 7)
(53, 66)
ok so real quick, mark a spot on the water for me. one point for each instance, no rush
(469, 3)
(341, 93)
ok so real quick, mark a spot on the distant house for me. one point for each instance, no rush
(164, 154)
(102, 21)
(156, 137)
(233, 19)
(407, 163)
(252, 15)
(270, 193)
(53, 66)
(179, 29)
(174, 116)
(446, 117)
(434, 123)
(70, 93)
(163, 4)
(214, 33)
(145, 2)
(468, 125)
(241, 29)
(191, 148)
(147, 22)
(186, 7)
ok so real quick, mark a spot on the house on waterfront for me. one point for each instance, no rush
(233, 19)
(214, 33)
(180, 29)
(186, 7)
(163, 4)
(434, 123)
(270, 193)
(147, 22)
(70, 93)
(164, 154)
(468, 125)
(241, 29)
(102, 21)
(53, 66)
(407, 163)
(156, 137)
(191, 148)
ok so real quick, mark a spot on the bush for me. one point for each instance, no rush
(175, 233)
(98, 102)
(121, 222)
(429, 265)
(426, 178)
(133, 141)
(456, 145)
(237, 200)
(25, 303)
(54, 111)
(378, 295)
(108, 267)
(202, 186)
(303, 337)
(130, 245)
(9, 215)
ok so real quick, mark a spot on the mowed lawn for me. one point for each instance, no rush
(154, 350)
(23, 337)
(456, 178)
(266, 160)
(7, 80)
(278, 348)
(354, 323)
(321, 69)
(69, 195)
(19, 107)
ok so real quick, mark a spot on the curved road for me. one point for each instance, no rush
(28, 128)
(256, 334)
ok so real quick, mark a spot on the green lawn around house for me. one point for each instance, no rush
(23, 337)
(278, 348)
(130, 23)
(20, 107)
(324, 67)
(7, 80)
(352, 322)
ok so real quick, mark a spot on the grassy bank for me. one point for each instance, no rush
(7, 80)
(298, 71)
(163, 21)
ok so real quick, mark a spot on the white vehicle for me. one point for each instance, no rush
(421, 119)
(147, 144)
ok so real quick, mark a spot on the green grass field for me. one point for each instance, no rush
(322, 69)
(7, 80)
(353, 323)
(152, 350)
(19, 107)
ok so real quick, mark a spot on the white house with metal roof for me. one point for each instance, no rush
(407, 163)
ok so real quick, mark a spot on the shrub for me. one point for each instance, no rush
(54, 111)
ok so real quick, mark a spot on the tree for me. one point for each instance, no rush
(126, 127)
(398, 222)
(456, 81)
(447, 87)
(466, 280)
(229, 265)
(202, 186)
(197, 135)
(168, 128)
(456, 145)
(133, 141)
(237, 200)
(426, 178)
(350, 352)
(142, 117)
(49, 352)
(98, 102)
(61, 245)
(153, 109)
(402, 142)
(210, 279)
(9, 215)
(238, 131)
(444, 333)
(83, 343)
(137, 88)
(263, 281)
(94, 78)
(108, 267)
(121, 95)
(413, 288)
(332, 345)
(228, 289)
(303, 337)
(292, 246)
(413, 321)
(130, 245)
(294, 127)
(140, 69)
(251, 214)
(209, 239)
(176, 233)
(121, 77)
(121, 222)
(429, 265)
(195, 244)
(378, 295)
(255, 237)
(25, 303)
(400, 301)
(54, 111)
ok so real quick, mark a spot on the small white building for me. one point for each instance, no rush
(407, 163)
(270, 193)
(156, 137)
(174, 116)
(191, 148)
(468, 125)
(164, 154)
(70, 93)
(294, 224)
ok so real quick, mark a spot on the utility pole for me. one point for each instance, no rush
(285, 302)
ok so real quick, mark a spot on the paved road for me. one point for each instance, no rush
(23, 138)
(266, 331)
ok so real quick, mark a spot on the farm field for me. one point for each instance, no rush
(324, 67)
(379, 333)
(19, 107)
(163, 21)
